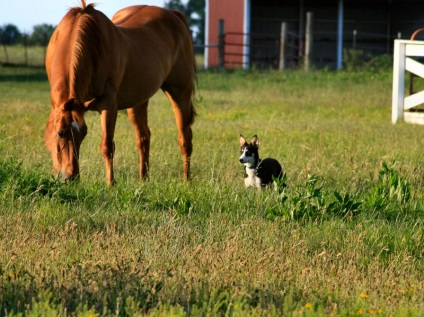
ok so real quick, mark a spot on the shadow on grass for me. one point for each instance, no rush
(22, 73)
(120, 289)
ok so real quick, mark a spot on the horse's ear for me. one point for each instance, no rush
(242, 140)
(73, 104)
(69, 105)
(255, 141)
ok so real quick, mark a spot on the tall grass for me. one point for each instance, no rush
(345, 239)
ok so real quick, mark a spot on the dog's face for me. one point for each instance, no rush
(249, 151)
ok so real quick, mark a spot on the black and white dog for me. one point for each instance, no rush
(258, 173)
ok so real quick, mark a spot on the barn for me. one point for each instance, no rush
(245, 33)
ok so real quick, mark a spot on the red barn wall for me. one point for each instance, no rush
(232, 12)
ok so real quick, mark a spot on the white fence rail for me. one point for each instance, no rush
(407, 107)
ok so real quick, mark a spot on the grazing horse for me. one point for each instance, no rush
(97, 64)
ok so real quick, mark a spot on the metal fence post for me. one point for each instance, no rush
(283, 40)
(308, 39)
(221, 43)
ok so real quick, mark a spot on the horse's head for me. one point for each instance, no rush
(64, 133)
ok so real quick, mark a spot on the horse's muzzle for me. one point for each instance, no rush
(66, 177)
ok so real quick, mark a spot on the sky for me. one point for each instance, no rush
(27, 13)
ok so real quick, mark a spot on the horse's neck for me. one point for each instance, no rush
(89, 64)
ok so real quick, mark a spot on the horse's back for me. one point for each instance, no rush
(155, 24)
(122, 16)
(144, 16)
(164, 32)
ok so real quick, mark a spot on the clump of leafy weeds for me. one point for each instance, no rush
(311, 201)
(305, 201)
(391, 194)
(391, 186)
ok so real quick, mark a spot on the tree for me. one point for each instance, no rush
(198, 18)
(9, 34)
(176, 5)
(41, 34)
(195, 12)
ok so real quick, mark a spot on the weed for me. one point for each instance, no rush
(392, 193)
(346, 205)
(303, 202)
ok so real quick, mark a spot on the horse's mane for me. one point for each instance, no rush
(86, 52)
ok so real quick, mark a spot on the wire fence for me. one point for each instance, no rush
(22, 55)
(263, 50)
(34, 56)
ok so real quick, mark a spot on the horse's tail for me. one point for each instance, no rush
(183, 18)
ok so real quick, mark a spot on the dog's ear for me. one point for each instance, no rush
(255, 141)
(242, 140)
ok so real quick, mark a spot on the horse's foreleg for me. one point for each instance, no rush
(107, 146)
(184, 116)
(138, 117)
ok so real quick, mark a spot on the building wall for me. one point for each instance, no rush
(232, 12)
(375, 23)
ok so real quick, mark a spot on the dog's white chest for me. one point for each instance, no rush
(251, 180)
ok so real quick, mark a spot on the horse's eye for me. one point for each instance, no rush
(61, 133)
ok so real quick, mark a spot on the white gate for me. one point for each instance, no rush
(407, 107)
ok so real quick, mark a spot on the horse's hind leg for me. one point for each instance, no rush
(184, 116)
(138, 117)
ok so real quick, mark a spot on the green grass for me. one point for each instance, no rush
(19, 55)
(345, 239)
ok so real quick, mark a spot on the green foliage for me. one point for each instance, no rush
(195, 13)
(302, 202)
(41, 34)
(21, 183)
(391, 196)
(359, 60)
(9, 34)
(345, 205)
(17, 183)
(392, 186)
(310, 201)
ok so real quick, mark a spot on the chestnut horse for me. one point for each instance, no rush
(94, 63)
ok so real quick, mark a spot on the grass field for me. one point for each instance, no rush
(21, 55)
(345, 239)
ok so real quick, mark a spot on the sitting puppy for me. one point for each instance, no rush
(258, 173)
